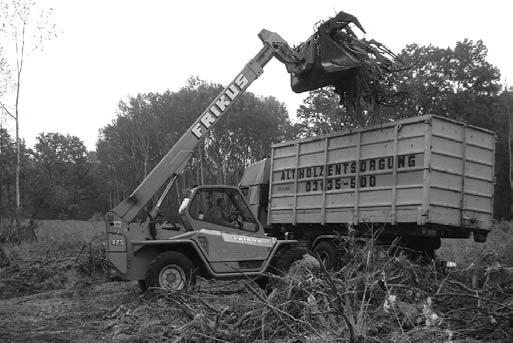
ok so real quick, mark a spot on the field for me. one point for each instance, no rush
(58, 289)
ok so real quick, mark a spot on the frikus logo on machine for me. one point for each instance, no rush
(219, 106)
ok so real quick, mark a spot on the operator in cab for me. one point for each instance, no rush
(217, 213)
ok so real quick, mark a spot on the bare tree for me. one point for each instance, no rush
(506, 97)
(25, 28)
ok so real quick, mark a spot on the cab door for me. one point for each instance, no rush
(227, 232)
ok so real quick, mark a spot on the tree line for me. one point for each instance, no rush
(61, 179)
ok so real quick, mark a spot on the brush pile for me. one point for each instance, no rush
(373, 297)
(39, 266)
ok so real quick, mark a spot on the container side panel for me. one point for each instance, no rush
(311, 147)
(449, 147)
(444, 215)
(447, 129)
(460, 175)
(479, 187)
(283, 163)
(342, 154)
(415, 129)
(443, 180)
(474, 153)
(478, 171)
(461, 191)
(409, 196)
(337, 178)
(287, 150)
(347, 140)
(446, 164)
(480, 138)
(411, 145)
(377, 135)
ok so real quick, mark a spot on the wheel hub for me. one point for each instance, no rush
(172, 277)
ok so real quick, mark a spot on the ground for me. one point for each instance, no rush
(57, 289)
(73, 315)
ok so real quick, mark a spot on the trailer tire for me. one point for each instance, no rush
(171, 270)
(326, 252)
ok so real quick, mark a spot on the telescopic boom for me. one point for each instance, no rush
(174, 162)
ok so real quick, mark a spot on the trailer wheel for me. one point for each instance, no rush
(171, 270)
(326, 253)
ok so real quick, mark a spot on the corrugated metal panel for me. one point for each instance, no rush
(424, 169)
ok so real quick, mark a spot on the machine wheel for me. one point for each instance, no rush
(171, 270)
(286, 259)
(142, 285)
(280, 265)
(261, 281)
(326, 253)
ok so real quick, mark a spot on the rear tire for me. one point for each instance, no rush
(327, 254)
(172, 271)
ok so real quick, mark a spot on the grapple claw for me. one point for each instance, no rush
(334, 56)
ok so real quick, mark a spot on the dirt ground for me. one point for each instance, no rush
(56, 290)
(80, 314)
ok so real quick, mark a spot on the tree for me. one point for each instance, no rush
(7, 167)
(60, 179)
(322, 113)
(26, 28)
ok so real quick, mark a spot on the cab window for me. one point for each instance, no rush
(222, 206)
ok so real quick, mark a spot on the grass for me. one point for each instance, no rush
(58, 239)
(68, 230)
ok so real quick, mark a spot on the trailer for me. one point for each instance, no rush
(422, 179)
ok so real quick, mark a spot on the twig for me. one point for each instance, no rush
(476, 297)
(272, 308)
(339, 303)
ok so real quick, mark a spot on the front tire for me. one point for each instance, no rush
(142, 285)
(172, 271)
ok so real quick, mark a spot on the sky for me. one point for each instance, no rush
(106, 51)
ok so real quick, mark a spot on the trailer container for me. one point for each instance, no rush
(426, 176)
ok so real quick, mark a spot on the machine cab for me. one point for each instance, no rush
(220, 208)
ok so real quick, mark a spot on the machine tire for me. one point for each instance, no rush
(286, 259)
(261, 281)
(171, 270)
(326, 252)
(142, 285)
(280, 265)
